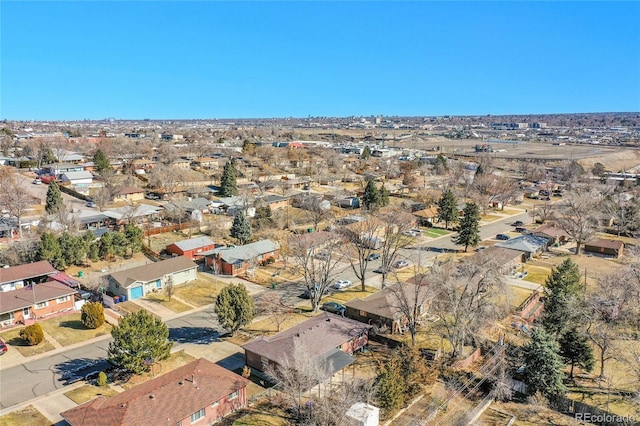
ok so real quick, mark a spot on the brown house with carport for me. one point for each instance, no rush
(200, 392)
(27, 304)
(192, 248)
(604, 246)
(553, 233)
(331, 337)
(383, 308)
(235, 260)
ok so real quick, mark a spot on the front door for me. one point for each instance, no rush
(26, 313)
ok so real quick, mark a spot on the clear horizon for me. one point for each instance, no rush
(68, 61)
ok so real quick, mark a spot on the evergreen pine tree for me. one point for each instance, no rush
(391, 386)
(49, 250)
(371, 197)
(241, 228)
(384, 196)
(139, 340)
(469, 234)
(234, 307)
(576, 350)
(448, 209)
(101, 162)
(366, 153)
(544, 367)
(228, 185)
(134, 236)
(563, 292)
(54, 201)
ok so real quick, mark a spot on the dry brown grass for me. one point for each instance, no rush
(88, 392)
(13, 339)
(25, 416)
(267, 326)
(68, 329)
(200, 292)
(531, 415)
(173, 304)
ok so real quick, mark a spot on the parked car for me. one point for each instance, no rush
(3, 347)
(310, 292)
(152, 196)
(90, 204)
(416, 230)
(37, 181)
(502, 237)
(340, 284)
(373, 256)
(333, 307)
(517, 223)
(382, 270)
(410, 233)
(401, 264)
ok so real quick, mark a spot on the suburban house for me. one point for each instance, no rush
(205, 163)
(507, 260)
(330, 337)
(530, 245)
(181, 163)
(79, 181)
(16, 277)
(56, 169)
(200, 391)
(141, 166)
(9, 228)
(137, 214)
(238, 259)
(604, 246)
(35, 301)
(136, 282)
(191, 248)
(275, 202)
(129, 193)
(551, 232)
(383, 308)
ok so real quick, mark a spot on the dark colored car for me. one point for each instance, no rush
(373, 256)
(517, 223)
(310, 292)
(333, 307)
(502, 237)
(3, 347)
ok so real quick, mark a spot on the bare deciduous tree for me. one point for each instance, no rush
(395, 224)
(359, 238)
(577, 218)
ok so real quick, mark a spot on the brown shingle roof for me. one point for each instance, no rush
(551, 230)
(130, 190)
(26, 271)
(162, 401)
(604, 243)
(385, 303)
(319, 335)
(11, 301)
(152, 271)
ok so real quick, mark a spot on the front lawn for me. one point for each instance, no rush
(129, 307)
(350, 293)
(88, 392)
(435, 232)
(68, 329)
(200, 292)
(12, 338)
(25, 416)
(173, 304)
(536, 274)
(269, 324)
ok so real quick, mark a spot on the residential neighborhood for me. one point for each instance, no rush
(235, 275)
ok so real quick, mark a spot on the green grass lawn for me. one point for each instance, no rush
(435, 232)
(174, 305)
(12, 338)
(537, 274)
(68, 329)
(25, 416)
(88, 392)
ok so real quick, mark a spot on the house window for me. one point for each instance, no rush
(215, 404)
(42, 305)
(232, 395)
(63, 299)
(6, 317)
(197, 415)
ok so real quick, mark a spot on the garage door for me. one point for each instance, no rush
(136, 292)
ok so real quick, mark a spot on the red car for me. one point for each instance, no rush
(3, 347)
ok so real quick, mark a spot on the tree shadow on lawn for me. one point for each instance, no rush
(198, 335)
(73, 324)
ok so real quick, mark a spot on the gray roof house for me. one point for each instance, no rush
(237, 259)
(137, 282)
(528, 244)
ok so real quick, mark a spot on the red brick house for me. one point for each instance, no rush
(328, 336)
(191, 248)
(236, 260)
(200, 391)
(35, 301)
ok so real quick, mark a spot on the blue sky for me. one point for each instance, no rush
(88, 59)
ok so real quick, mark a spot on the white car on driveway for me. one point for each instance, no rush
(340, 284)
